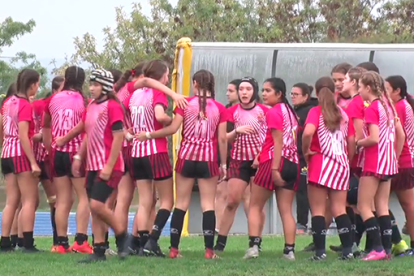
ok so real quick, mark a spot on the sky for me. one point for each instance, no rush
(59, 22)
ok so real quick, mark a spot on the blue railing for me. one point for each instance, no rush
(44, 228)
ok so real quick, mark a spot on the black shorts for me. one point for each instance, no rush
(62, 164)
(289, 172)
(44, 170)
(15, 165)
(381, 177)
(352, 195)
(241, 170)
(197, 169)
(100, 190)
(126, 154)
(153, 167)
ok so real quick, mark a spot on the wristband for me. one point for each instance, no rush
(77, 157)
(129, 136)
(148, 135)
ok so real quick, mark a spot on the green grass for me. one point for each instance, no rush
(193, 263)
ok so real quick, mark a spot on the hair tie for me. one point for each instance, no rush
(133, 72)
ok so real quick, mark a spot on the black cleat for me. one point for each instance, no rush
(32, 249)
(219, 247)
(309, 248)
(93, 258)
(316, 258)
(336, 248)
(152, 248)
(124, 246)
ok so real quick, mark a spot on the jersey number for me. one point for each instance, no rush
(137, 116)
(391, 132)
(65, 119)
(337, 142)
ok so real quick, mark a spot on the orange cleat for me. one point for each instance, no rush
(62, 250)
(174, 253)
(82, 248)
(53, 249)
(210, 254)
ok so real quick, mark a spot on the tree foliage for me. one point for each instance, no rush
(139, 36)
(10, 31)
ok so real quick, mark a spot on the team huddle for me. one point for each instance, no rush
(360, 131)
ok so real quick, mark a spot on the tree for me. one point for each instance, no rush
(140, 37)
(9, 32)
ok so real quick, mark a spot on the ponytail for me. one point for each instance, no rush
(331, 113)
(123, 80)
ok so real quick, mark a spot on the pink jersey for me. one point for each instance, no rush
(380, 158)
(199, 135)
(65, 109)
(405, 113)
(247, 146)
(124, 93)
(280, 117)
(329, 167)
(39, 149)
(355, 110)
(341, 101)
(141, 107)
(14, 110)
(99, 119)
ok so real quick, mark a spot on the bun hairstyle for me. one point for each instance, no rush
(332, 115)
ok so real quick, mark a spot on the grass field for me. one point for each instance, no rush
(193, 263)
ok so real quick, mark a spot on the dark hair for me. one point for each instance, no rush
(236, 83)
(376, 83)
(155, 69)
(10, 92)
(279, 86)
(25, 79)
(331, 113)
(342, 68)
(128, 74)
(369, 66)
(206, 83)
(305, 88)
(74, 80)
(57, 82)
(398, 82)
(355, 74)
(116, 74)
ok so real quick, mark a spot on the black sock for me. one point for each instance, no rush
(28, 241)
(319, 234)
(373, 233)
(386, 232)
(396, 235)
(209, 226)
(143, 237)
(412, 244)
(99, 249)
(359, 229)
(177, 221)
(351, 214)
(254, 240)
(119, 239)
(53, 221)
(160, 221)
(5, 242)
(81, 238)
(136, 241)
(107, 239)
(343, 224)
(288, 248)
(13, 240)
(260, 242)
(221, 241)
(93, 239)
(63, 241)
(20, 242)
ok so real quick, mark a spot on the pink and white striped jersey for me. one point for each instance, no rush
(381, 158)
(15, 109)
(281, 118)
(141, 107)
(123, 94)
(39, 149)
(99, 119)
(65, 109)
(199, 135)
(355, 110)
(247, 146)
(405, 113)
(329, 167)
